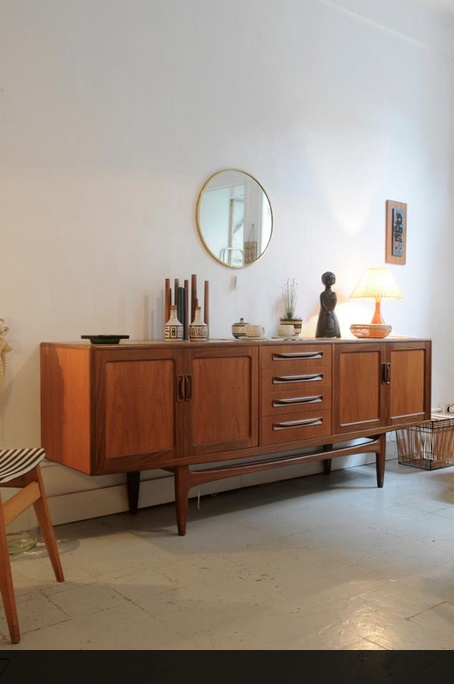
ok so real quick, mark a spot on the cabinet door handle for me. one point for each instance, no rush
(289, 424)
(188, 388)
(316, 399)
(306, 377)
(386, 373)
(180, 388)
(298, 355)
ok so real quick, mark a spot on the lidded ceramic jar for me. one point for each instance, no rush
(238, 328)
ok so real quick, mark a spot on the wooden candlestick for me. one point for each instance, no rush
(186, 307)
(193, 295)
(206, 303)
(167, 300)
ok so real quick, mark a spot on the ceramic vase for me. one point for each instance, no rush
(173, 329)
(198, 330)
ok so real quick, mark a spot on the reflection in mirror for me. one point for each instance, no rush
(234, 218)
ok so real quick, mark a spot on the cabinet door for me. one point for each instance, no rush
(409, 382)
(221, 399)
(137, 409)
(359, 393)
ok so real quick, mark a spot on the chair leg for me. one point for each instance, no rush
(45, 523)
(6, 584)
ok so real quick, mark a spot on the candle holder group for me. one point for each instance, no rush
(184, 316)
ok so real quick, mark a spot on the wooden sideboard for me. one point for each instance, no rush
(211, 410)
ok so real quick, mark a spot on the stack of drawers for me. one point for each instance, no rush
(295, 393)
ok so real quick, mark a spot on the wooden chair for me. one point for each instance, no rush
(19, 468)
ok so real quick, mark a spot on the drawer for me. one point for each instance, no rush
(315, 397)
(306, 356)
(296, 378)
(294, 428)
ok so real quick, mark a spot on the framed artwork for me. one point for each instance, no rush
(396, 232)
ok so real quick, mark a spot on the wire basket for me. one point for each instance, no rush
(428, 446)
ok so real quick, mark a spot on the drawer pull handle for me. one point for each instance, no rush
(316, 399)
(307, 377)
(288, 425)
(298, 355)
(386, 373)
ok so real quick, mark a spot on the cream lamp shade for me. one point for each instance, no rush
(377, 284)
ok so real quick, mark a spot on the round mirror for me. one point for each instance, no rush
(234, 218)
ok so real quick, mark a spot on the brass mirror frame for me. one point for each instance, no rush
(199, 222)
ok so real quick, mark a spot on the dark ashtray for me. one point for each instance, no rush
(105, 339)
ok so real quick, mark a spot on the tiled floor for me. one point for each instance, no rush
(315, 563)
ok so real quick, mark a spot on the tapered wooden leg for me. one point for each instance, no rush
(380, 458)
(6, 584)
(45, 523)
(327, 461)
(133, 485)
(182, 487)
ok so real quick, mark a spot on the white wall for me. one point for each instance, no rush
(113, 113)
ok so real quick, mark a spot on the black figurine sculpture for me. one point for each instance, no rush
(327, 324)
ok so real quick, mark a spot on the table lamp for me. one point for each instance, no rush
(378, 284)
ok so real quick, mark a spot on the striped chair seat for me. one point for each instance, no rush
(17, 462)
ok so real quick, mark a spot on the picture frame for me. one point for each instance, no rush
(396, 232)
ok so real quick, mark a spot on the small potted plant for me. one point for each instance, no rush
(290, 298)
